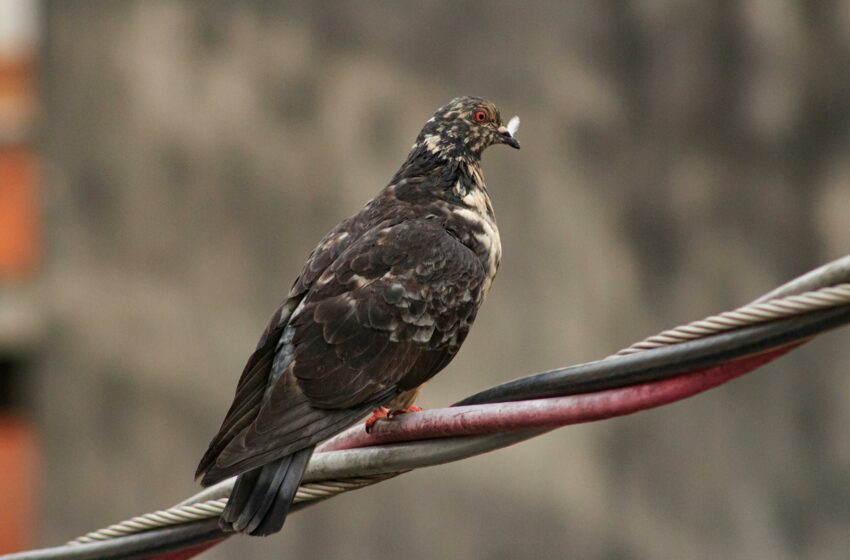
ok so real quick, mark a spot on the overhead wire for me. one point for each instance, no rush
(666, 367)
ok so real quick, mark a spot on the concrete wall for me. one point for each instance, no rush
(679, 158)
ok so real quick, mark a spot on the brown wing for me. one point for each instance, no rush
(387, 315)
(258, 372)
(392, 311)
(252, 384)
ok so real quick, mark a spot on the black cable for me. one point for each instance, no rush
(662, 363)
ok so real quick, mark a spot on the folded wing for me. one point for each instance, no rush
(390, 312)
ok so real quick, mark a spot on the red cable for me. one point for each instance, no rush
(549, 412)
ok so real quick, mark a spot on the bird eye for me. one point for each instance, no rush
(480, 116)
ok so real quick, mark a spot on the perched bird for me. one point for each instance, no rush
(382, 304)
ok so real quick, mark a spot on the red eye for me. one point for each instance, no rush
(480, 116)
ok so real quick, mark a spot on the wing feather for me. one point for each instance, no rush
(378, 329)
(250, 388)
(386, 313)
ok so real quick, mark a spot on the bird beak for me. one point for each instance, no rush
(507, 133)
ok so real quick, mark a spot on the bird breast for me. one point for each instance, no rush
(482, 234)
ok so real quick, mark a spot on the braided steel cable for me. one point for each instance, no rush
(198, 508)
(751, 314)
(184, 513)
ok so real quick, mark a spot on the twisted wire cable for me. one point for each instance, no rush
(760, 311)
(751, 314)
(184, 513)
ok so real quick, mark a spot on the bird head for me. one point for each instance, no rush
(464, 127)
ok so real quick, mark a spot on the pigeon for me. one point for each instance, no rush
(383, 303)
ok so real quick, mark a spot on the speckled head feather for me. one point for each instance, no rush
(463, 128)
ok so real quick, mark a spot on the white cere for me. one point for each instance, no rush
(513, 125)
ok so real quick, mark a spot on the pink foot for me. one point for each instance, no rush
(380, 412)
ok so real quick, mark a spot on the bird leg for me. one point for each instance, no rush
(384, 412)
(399, 405)
(396, 411)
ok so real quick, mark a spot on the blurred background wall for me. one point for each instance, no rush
(679, 158)
(21, 318)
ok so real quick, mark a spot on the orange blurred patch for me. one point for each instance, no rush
(18, 214)
(17, 92)
(18, 474)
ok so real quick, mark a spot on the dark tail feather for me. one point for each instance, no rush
(261, 497)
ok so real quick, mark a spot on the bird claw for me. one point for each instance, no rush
(384, 412)
(380, 412)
